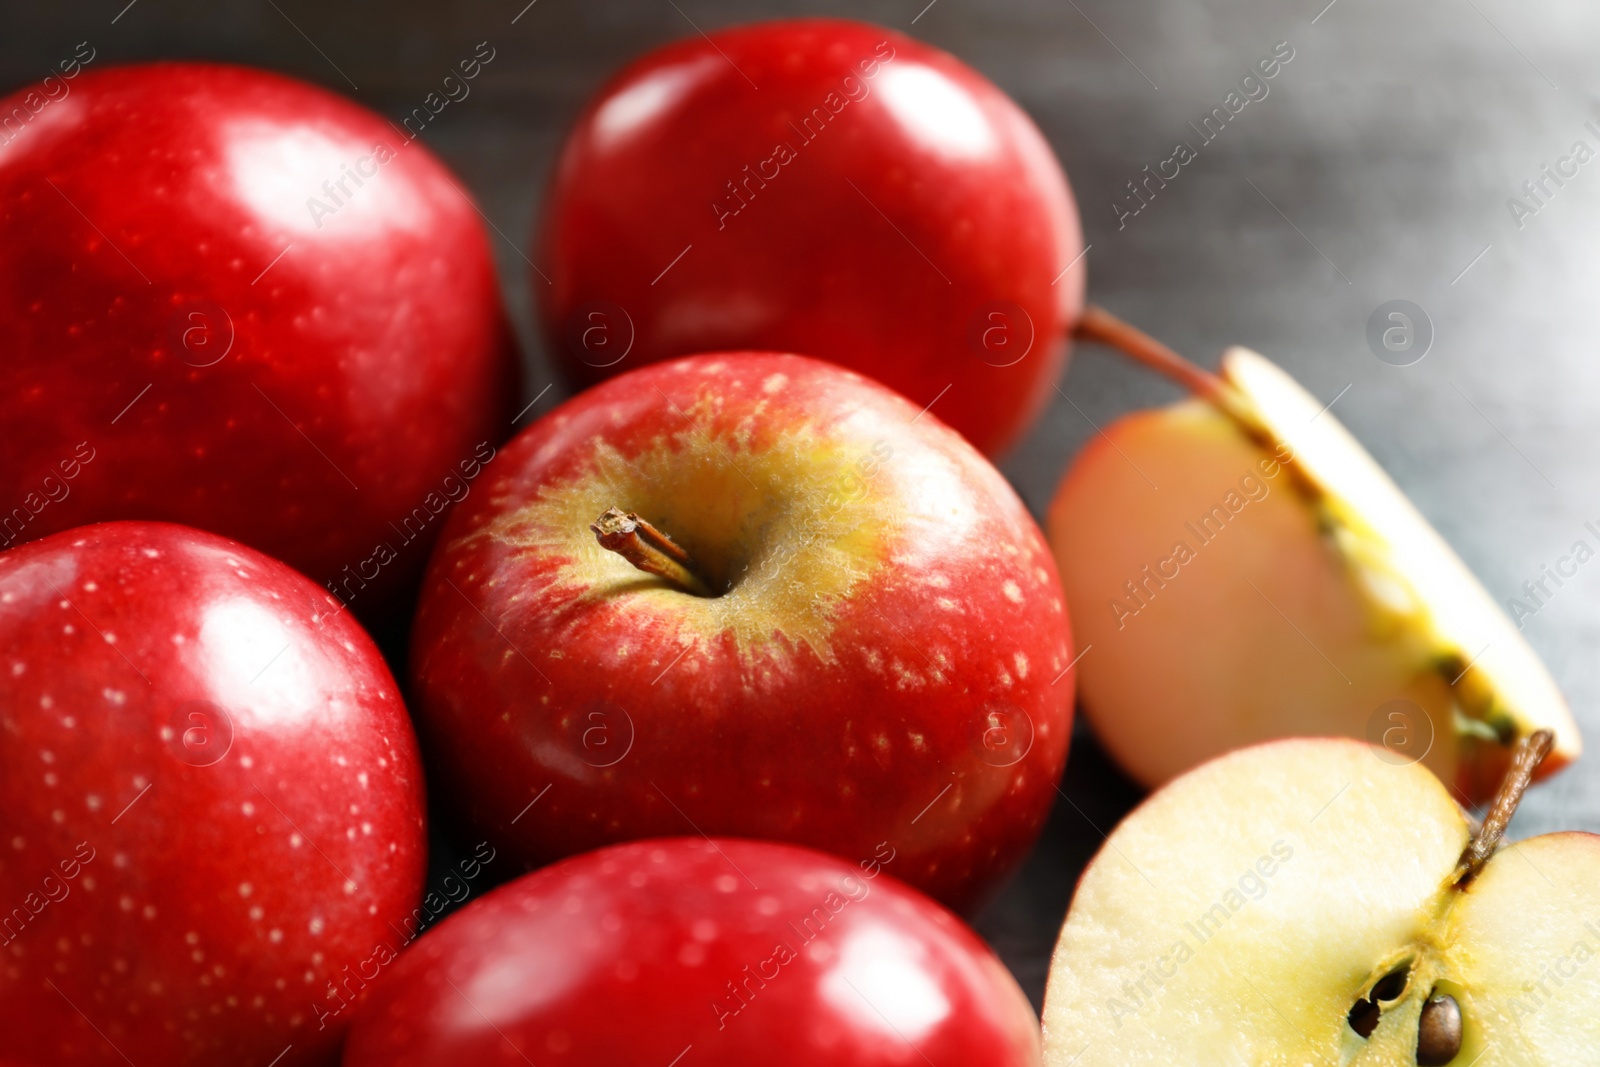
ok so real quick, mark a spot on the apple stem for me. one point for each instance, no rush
(1530, 752)
(1099, 325)
(647, 548)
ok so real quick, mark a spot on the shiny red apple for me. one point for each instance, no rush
(852, 633)
(210, 803)
(687, 951)
(825, 187)
(236, 301)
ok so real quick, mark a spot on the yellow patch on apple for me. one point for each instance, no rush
(782, 536)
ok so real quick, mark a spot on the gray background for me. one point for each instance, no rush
(1382, 160)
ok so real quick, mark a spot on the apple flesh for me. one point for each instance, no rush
(704, 951)
(1250, 547)
(1307, 901)
(223, 293)
(875, 202)
(885, 656)
(210, 802)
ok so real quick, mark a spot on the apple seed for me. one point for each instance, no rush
(1439, 1031)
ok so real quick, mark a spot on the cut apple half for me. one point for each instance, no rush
(1244, 570)
(1307, 902)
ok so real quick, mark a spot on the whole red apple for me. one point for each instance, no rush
(863, 639)
(700, 951)
(210, 802)
(242, 303)
(825, 187)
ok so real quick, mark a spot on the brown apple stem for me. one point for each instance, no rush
(1099, 325)
(647, 548)
(1530, 752)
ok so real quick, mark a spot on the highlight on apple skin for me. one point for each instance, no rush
(884, 655)
(1243, 570)
(876, 203)
(711, 951)
(212, 798)
(1312, 901)
(223, 292)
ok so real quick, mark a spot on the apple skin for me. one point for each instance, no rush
(301, 405)
(916, 237)
(630, 956)
(199, 922)
(889, 662)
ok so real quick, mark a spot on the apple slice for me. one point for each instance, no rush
(1244, 541)
(1353, 919)
(1525, 939)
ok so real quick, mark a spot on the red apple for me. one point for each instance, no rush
(825, 187)
(239, 302)
(210, 802)
(865, 640)
(698, 951)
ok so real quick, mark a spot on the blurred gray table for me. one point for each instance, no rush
(1378, 167)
